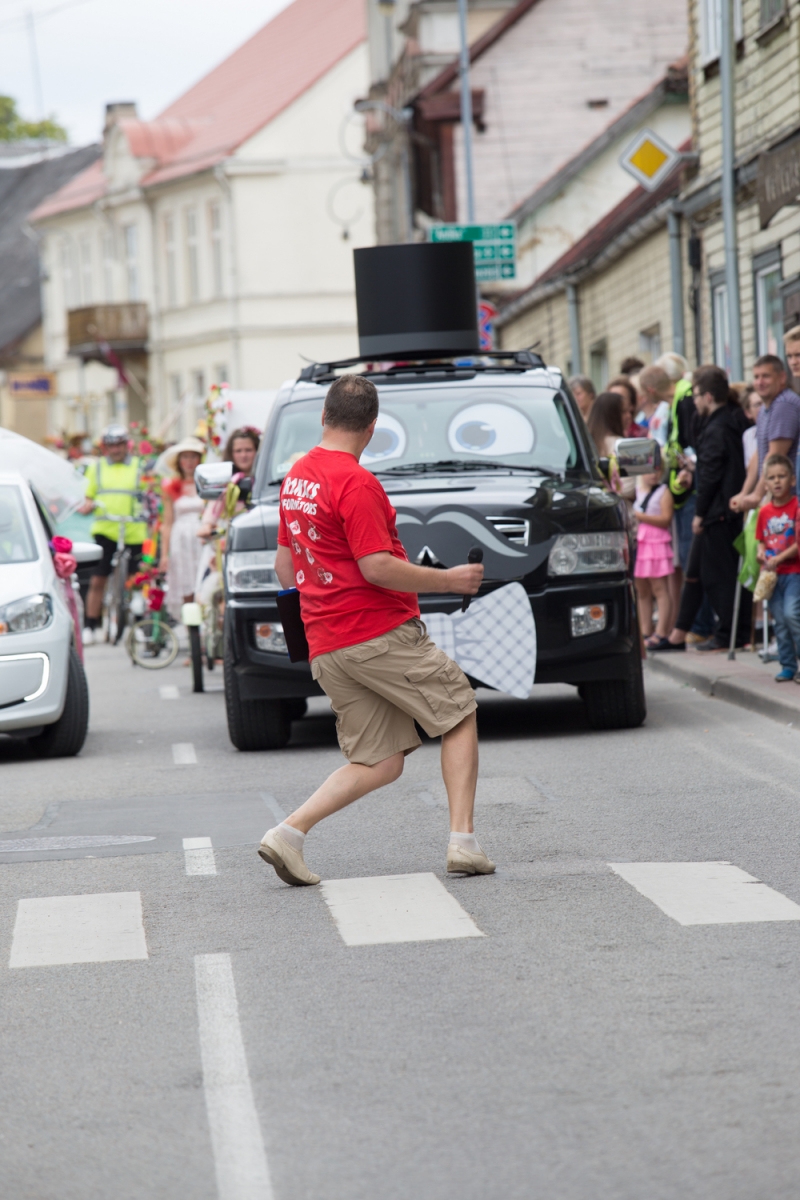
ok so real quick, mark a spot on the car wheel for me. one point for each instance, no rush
(253, 724)
(617, 703)
(66, 736)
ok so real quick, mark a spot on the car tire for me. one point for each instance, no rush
(65, 737)
(253, 724)
(617, 703)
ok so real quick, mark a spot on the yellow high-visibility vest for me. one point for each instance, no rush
(113, 487)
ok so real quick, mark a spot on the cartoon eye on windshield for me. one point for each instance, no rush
(491, 429)
(388, 441)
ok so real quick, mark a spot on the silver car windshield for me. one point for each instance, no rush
(424, 426)
(16, 543)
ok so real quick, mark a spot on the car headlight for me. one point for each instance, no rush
(23, 616)
(270, 637)
(251, 571)
(588, 554)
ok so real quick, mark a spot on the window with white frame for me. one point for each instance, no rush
(711, 27)
(215, 223)
(69, 274)
(768, 277)
(199, 385)
(598, 365)
(171, 260)
(175, 388)
(131, 242)
(650, 342)
(221, 373)
(108, 267)
(85, 253)
(771, 10)
(722, 325)
(192, 257)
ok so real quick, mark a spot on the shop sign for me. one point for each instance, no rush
(778, 182)
(32, 385)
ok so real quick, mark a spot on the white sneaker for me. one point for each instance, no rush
(87, 636)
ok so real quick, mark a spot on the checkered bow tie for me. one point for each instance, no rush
(493, 641)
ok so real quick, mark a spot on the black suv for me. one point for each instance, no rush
(491, 452)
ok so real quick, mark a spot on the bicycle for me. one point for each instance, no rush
(115, 599)
(152, 642)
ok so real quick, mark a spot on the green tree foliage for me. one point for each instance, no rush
(14, 129)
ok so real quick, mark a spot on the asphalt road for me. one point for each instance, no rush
(563, 1036)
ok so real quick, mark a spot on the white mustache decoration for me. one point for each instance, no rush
(493, 641)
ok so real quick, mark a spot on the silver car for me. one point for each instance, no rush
(43, 692)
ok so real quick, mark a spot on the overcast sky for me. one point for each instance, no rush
(94, 51)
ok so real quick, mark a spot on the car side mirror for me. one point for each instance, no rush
(638, 456)
(211, 479)
(86, 552)
(245, 486)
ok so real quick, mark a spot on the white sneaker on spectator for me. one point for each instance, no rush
(87, 636)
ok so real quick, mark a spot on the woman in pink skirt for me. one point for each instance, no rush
(655, 563)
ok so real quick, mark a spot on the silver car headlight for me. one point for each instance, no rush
(588, 554)
(27, 614)
(251, 571)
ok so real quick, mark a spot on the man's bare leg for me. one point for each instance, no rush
(460, 772)
(94, 597)
(349, 783)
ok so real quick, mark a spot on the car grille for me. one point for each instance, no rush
(516, 529)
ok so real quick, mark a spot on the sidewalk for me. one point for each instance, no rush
(746, 681)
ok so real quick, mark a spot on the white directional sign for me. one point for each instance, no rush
(494, 247)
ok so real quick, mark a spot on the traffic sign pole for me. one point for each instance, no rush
(466, 109)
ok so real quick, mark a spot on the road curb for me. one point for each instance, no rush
(723, 687)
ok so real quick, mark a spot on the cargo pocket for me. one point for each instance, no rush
(442, 684)
(316, 672)
(366, 651)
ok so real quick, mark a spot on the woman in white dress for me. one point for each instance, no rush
(180, 547)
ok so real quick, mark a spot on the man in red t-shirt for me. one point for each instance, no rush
(368, 648)
(776, 534)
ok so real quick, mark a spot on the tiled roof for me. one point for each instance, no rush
(240, 96)
(449, 74)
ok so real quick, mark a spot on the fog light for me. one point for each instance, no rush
(588, 618)
(270, 637)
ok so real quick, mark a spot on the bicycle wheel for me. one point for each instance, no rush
(115, 590)
(197, 658)
(152, 643)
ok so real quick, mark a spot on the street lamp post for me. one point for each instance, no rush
(466, 109)
(727, 60)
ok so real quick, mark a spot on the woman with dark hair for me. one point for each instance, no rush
(605, 424)
(630, 403)
(241, 449)
(713, 560)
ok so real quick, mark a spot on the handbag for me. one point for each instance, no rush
(293, 628)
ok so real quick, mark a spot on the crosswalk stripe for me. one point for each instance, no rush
(183, 754)
(396, 908)
(199, 856)
(239, 1157)
(168, 691)
(707, 893)
(60, 930)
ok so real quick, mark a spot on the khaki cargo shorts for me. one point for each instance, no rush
(378, 689)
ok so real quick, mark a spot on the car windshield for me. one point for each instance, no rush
(447, 428)
(16, 543)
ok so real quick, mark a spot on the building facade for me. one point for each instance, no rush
(214, 243)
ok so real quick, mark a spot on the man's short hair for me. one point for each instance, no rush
(771, 360)
(674, 364)
(351, 403)
(655, 379)
(714, 381)
(778, 460)
(630, 365)
(792, 335)
(584, 383)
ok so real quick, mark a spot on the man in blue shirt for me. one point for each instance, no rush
(777, 427)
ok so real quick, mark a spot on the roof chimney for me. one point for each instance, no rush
(117, 111)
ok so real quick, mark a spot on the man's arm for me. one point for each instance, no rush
(386, 571)
(752, 489)
(284, 567)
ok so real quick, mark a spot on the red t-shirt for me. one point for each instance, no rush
(334, 512)
(776, 528)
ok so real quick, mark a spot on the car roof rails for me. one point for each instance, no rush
(455, 366)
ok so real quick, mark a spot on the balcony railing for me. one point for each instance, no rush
(120, 326)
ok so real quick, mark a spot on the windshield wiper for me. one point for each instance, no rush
(460, 464)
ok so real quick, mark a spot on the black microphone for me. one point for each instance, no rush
(475, 556)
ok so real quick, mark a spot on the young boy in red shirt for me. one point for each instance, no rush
(776, 533)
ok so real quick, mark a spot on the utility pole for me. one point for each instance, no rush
(727, 62)
(37, 78)
(466, 110)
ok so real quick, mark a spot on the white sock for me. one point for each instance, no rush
(295, 837)
(467, 840)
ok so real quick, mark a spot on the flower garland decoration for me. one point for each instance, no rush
(217, 407)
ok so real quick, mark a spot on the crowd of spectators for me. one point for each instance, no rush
(724, 506)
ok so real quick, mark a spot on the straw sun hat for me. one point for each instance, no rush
(188, 445)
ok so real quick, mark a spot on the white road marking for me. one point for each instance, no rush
(78, 842)
(707, 893)
(183, 754)
(168, 691)
(396, 908)
(273, 806)
(199, 856)
(239, 1157)
(56, 930)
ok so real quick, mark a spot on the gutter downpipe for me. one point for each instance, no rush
(466, 109)
(676, 280)
(574, 328)
(233, 277)
(727, 60)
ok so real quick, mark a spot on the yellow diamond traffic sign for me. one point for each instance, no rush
(649, 159)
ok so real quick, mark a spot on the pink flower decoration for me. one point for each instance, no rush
(61, 545)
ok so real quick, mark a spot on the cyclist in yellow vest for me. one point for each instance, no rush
(112, 487)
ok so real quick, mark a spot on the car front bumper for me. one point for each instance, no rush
(33, 674)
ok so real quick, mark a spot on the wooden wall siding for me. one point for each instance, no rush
(545, 327)
(538, 80)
